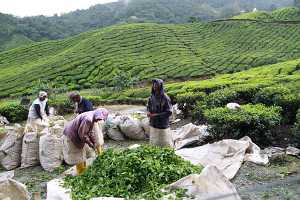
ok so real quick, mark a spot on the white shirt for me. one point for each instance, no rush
(32, 113)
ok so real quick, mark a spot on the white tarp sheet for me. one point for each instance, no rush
(11, 189)
(210, 184)
(189, 134)
(227, 155)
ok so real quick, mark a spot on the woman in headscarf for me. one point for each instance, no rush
(38, 112)
(159, 111)
(81, 131)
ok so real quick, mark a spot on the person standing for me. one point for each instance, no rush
(79, 132)
(159, 111)
(81, 104)
(38, 111)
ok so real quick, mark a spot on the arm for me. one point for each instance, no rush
(84, 133)
(149, 114)
(76, 110)
(149, 105)
(166, 110)
(47, 109)
(37, 109)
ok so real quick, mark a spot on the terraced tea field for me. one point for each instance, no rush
(284, 14)
(146, 51)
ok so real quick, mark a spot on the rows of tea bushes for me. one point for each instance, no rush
(269, 96)
(269, 100)
(284, 14)
(147, 50)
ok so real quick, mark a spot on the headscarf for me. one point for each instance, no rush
(73, 94)
(43, 94)
(100, 114)
(161, 86)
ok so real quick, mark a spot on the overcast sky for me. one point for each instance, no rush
(45, 7)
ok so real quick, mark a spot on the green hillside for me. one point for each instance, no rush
(285, 74)
(147, 51)
(284, 14)
(41, 28)
(9, 36)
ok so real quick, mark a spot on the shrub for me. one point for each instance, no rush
(198, 111)
(62, 105)
(123, 80)
(280, 96)
(255, 121)
(246, 92)
(187, 102)
(221, 97)
(296, 129)
(14, 112)
(269, 95)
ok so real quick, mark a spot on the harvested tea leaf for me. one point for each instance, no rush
(131, 174)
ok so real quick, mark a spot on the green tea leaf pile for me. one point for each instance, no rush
(130, 173)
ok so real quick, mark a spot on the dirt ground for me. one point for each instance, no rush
(279, 180)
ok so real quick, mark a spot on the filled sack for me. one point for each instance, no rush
(10, 150)
(30, 150)
(51, 149)
(132, 129)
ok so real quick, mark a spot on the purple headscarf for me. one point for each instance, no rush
(100, 114)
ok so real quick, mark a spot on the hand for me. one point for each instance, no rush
(152, 115)
(99, 149)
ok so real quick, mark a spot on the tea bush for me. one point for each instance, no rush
(187, 102)
(14, 112)
(221, 97)
(296, 129)
(280, 96)
(255, 121)
(62, 105)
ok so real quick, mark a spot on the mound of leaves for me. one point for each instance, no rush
(132, 174)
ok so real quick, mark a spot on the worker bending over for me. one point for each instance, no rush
(82, 130)
(81, 104)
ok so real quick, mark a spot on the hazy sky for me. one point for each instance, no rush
(45, 7)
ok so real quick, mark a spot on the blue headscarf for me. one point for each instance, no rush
(161, 86)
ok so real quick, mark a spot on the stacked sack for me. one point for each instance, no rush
(30, 148)
(112, 127)
(122, 127)
(30, 145)
(41, 144)
(11, 149)
(50, 148)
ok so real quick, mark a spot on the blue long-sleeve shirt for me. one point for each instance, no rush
(84, 106)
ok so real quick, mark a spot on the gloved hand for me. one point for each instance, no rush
(80, 168)
(99, 149)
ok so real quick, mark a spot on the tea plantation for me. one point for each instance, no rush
(284, 14)
(269, 95)
(199, 50)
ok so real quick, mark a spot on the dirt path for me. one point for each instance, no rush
(277, 181)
